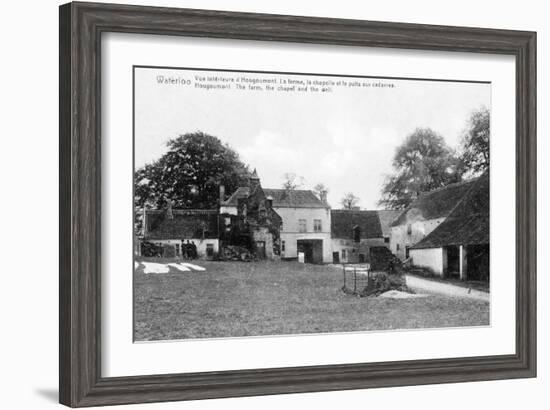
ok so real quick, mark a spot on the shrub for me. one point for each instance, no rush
(150, 249)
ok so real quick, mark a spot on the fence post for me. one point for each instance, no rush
(344, 270)
(354, 279)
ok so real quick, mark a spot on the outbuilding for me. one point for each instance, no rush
(459, 246)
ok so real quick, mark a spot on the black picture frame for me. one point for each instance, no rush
(81, 27)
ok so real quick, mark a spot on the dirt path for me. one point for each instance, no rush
(425, 285)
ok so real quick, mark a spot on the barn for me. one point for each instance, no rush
(459, 246)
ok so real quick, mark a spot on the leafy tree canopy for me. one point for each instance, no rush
(190, 173)
(422, 163)
(349, 201)
(321, 190)
(475, 142)
(291, 181)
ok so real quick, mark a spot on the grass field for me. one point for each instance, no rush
(275, 298)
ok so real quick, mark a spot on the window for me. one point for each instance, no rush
(386, 240)
(407, 252)
(409, 229)
(343, 254)
(281, 227)
(317, 226)
(283, 246)
(302, 225)
(397, 247)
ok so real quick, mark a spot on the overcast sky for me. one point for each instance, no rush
(345, 137)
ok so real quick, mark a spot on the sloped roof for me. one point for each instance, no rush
(343, 222)
(186, 224)
(233, 200)
(386, 219)
(468, 222)
(435, 204)
(282, 198)
(296, 198)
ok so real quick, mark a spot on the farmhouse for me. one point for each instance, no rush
(178, 228)
(459, 246)
(305, 220)
(424, 214)
(445, 230)
(355, 232)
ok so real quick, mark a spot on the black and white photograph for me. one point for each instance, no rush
(270, 203)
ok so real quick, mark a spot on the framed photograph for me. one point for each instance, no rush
(259, 204)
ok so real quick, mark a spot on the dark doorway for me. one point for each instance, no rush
(260, 249)
(335, 257)
(312, 250)
(478, 262)
(453, 261)
(209, 250)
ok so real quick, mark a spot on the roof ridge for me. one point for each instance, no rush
(451, 185)
(452, 217)
(355, 210)
(463, 198)
(288, 190)
(420, 200)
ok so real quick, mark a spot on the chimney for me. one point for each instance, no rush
(222, 194)
(169, 213)
(269, 202)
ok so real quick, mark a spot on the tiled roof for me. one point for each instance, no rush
(295, 198)
(344, 221)
(468, 223)
(233, 200)
(435, 204)
(282, 198)
(386, 218)
(186, 224)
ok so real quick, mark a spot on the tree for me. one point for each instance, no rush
(291, 181)
(321, 191)
(349, 201)
(475, 142)
(190, 173)
(422, 163)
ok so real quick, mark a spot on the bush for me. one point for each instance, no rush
(382, 282)
(149, 249)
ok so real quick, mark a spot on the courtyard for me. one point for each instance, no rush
(236, 299)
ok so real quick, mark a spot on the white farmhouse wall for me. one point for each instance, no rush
(290, 233)
(231, 210)
(291, 244)
(400, 239)
(434, 259)
(291, 217)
